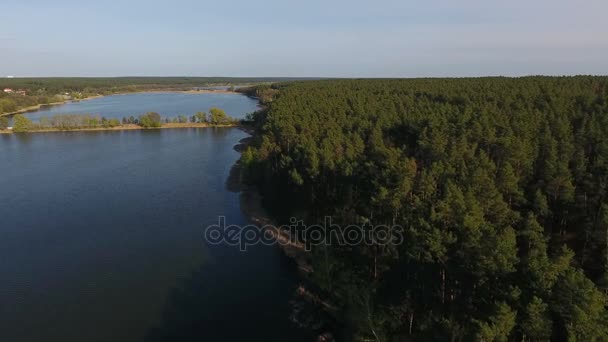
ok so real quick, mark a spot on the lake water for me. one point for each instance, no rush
(169, 105)
(101, 239)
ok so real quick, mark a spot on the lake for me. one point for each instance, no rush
(169, 105)
(101, 239)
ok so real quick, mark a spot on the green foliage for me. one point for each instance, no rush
(21, 124)
(150, 120)
(217, 116)
(539, 271)
(499, 183)
(8, 105)
(201, 117)
(73, 121)
(265, 93)
(70, 121)
(536, 322)
(581, 307)
(109, 123)
(4, 122)
(499, 325)
(182, 119)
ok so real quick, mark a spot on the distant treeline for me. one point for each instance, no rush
(11, 103)
(216, 117)
(57, 85)
(50, 90)
(500, 186)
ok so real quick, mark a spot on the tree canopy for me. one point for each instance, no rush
(4, 122)
(21, 124)
(150, 120)
(218, 116)
(500, 186)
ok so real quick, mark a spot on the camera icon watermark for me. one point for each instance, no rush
(301, 235)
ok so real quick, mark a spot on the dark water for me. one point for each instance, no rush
(101, 240)
(169, 105)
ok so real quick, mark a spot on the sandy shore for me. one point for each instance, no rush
(128, 127)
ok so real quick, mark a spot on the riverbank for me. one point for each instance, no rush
(127, 127)
(252, 208)
(309, 309)
(191, 91)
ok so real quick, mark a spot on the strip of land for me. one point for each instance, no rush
(127, 127)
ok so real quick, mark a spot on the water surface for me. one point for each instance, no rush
(101, 240)
(169, 105)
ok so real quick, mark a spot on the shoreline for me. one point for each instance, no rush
(160, 91)
(128, 127)
(305, 296)
(39, 106)
(152, 91)
(252, 207)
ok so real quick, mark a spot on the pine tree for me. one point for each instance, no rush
(536, 323)
(580, 306)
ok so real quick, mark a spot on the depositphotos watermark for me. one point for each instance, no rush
(301, 235)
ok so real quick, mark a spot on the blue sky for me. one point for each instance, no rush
(330, 38)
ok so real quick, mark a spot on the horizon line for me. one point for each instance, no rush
(8, 77)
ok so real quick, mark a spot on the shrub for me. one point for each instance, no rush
(21, 123)
(150, 120)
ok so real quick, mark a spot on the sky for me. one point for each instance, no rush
(304, 38)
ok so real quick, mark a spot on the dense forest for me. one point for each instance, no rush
(500, 186)
(62, 84)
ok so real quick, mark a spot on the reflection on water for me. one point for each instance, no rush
(252, 300)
